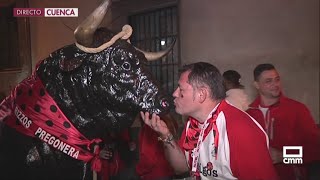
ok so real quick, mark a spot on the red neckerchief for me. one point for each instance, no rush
(193, 133)
(36, 114)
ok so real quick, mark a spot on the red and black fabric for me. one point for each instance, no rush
(33, 110)
(192, 135)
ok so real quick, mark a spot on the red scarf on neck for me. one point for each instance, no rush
(193, 132)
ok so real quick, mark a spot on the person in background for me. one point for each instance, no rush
(219, 141)
(116, 156)
(235, 93)
(286, 121)
(152, 164)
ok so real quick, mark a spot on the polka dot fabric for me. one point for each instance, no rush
(35, 113)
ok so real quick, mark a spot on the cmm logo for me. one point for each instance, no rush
(290, 158)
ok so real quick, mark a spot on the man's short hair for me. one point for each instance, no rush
(206, 74)
(260, 68)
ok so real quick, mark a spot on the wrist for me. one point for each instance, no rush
(164, 133)
(166, 138)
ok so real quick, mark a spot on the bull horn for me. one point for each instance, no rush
(151, 56)
(84, 32)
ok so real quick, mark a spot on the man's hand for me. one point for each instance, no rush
(106, 154)
(173, 153)
(155, 123)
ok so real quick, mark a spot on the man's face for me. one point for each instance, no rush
(184, 96)
(268, 84)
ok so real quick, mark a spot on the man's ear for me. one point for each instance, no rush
(202, 94)
(256, 85)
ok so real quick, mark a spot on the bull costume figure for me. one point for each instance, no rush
(53, 119)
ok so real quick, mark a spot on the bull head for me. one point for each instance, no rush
(96, 92)
(105, 89)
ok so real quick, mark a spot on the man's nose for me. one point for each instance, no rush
(275, 82)
(175, 93)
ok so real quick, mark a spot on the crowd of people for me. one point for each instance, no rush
(224, 137)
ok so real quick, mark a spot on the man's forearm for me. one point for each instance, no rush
(176, 157)
(173, 153)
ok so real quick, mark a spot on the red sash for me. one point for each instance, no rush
(36, 114)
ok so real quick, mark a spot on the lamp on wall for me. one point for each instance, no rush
(163, 42)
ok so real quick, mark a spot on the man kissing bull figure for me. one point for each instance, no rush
(54, 118)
